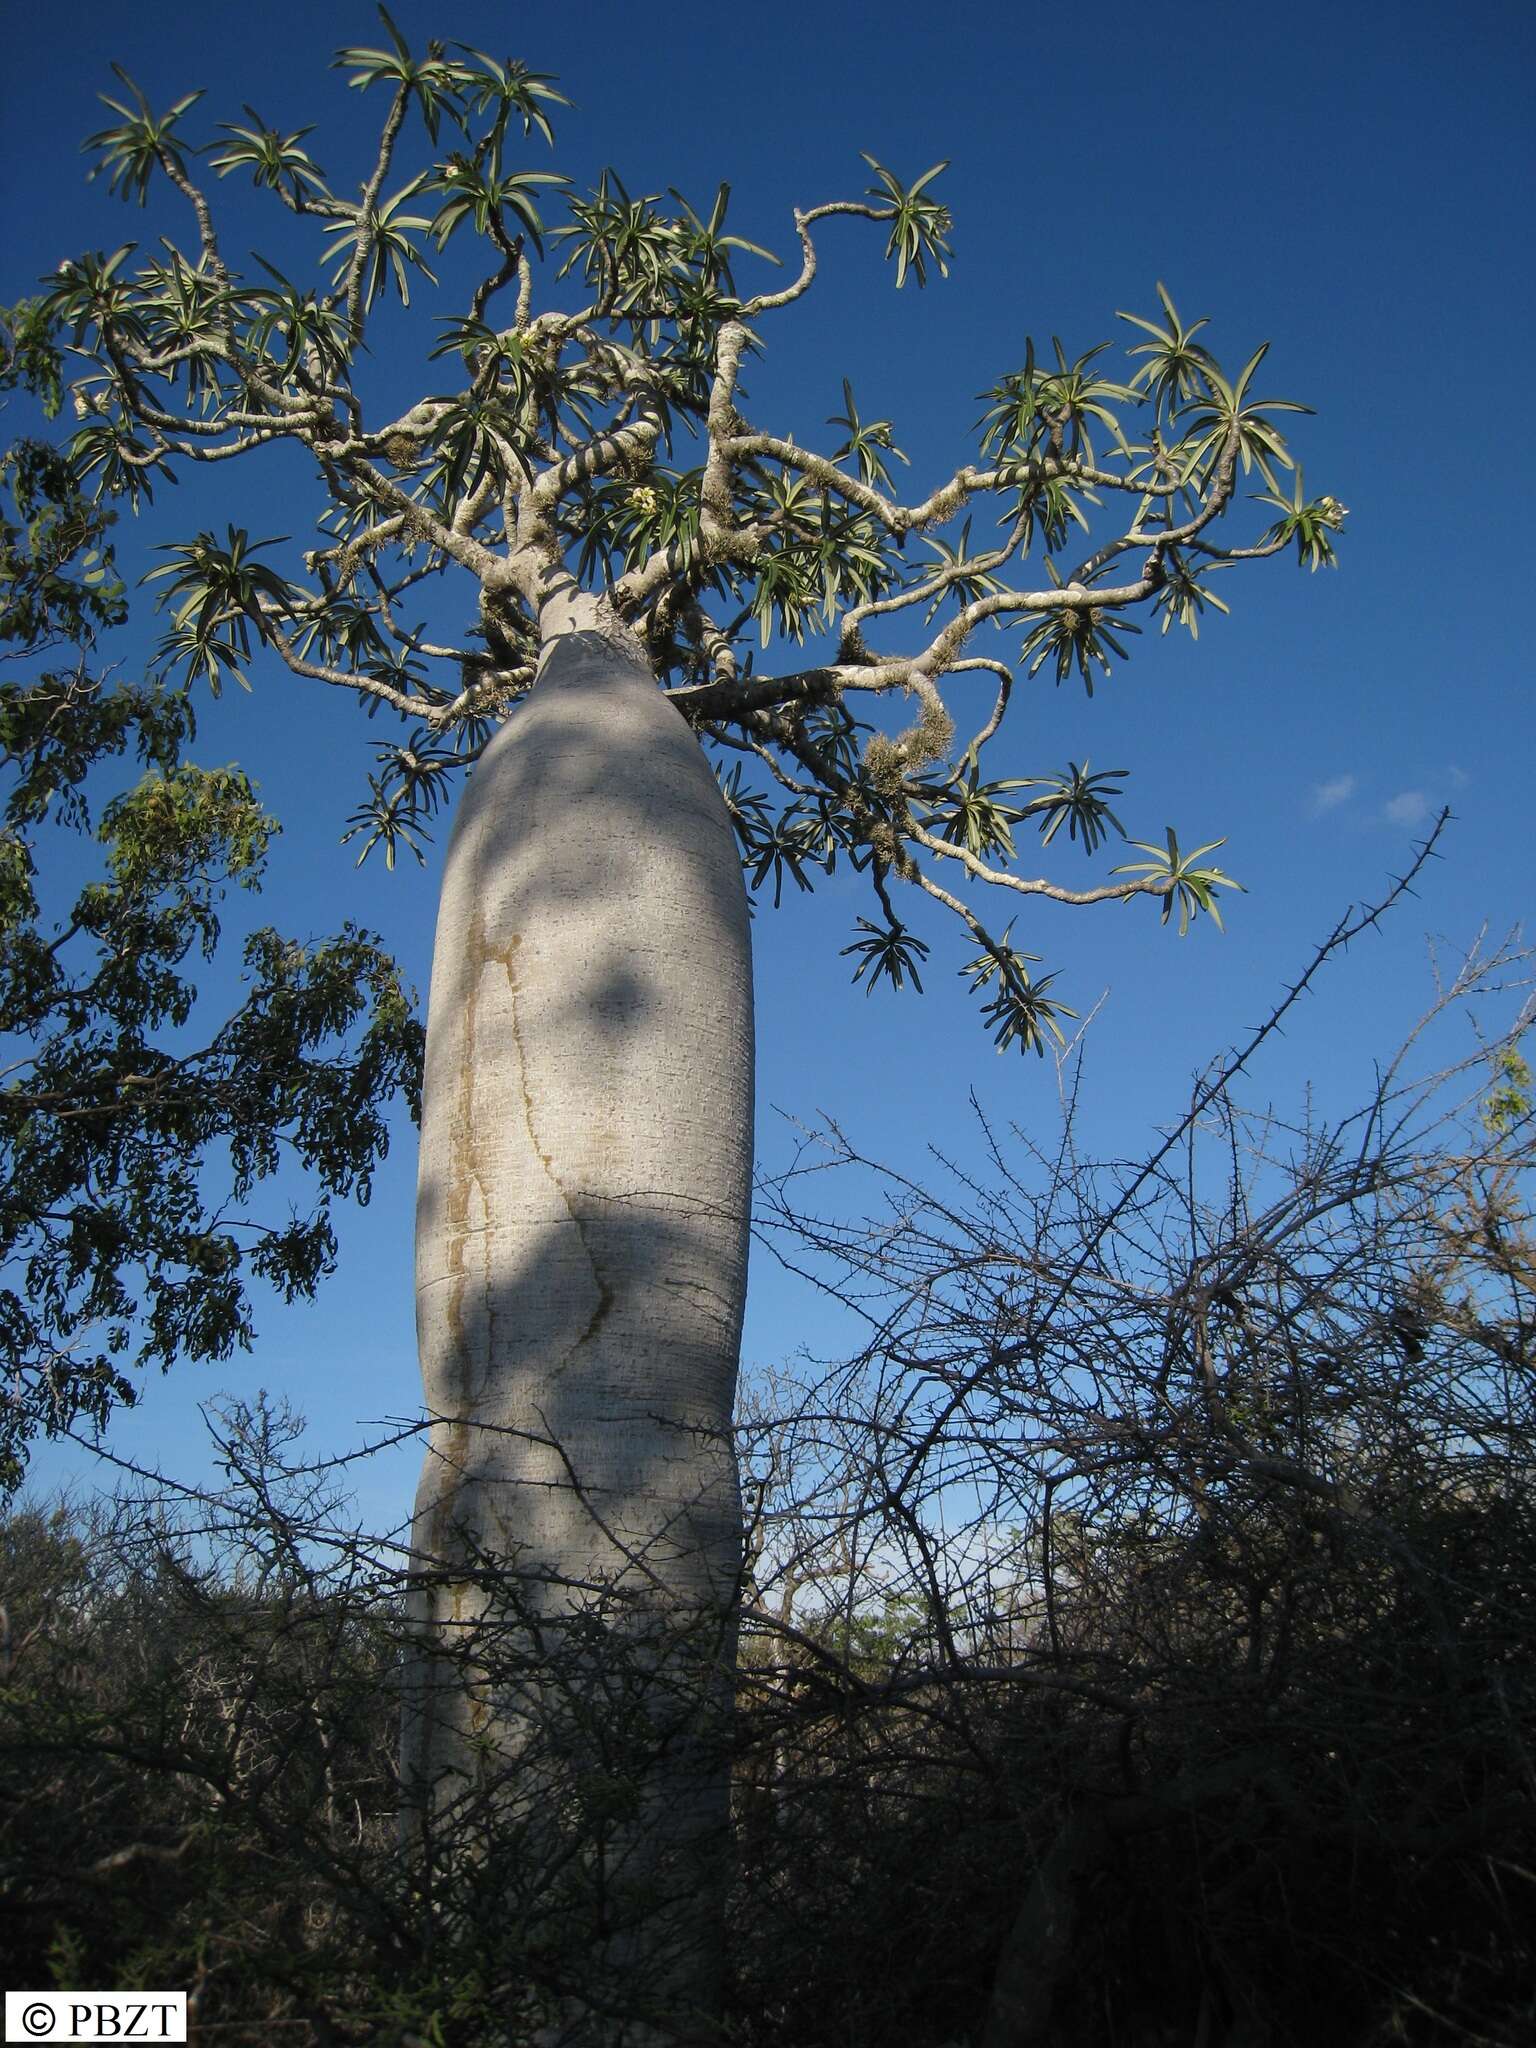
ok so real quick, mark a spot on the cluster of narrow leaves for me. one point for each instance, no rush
(810, 834)
(584, 414)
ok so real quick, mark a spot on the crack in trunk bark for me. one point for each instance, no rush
(582, 1238)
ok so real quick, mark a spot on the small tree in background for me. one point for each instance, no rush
(642, 565)
(197, 1729)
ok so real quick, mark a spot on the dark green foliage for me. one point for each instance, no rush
(199, 1713)
(120, 1117)
(56, 578)
(193, 1753)
(1344, 1856)
(1334, 1843)
(134, 1128)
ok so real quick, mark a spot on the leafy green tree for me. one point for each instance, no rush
(653, 582)
(132, 1131)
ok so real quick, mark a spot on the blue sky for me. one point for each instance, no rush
(1350, 183)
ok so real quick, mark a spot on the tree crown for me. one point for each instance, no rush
(586, 429)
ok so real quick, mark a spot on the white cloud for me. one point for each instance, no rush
(1327, 796)
(1409, 808)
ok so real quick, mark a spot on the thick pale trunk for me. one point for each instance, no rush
(581, 1263)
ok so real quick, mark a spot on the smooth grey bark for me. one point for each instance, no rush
(583, 1213)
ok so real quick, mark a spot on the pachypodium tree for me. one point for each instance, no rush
(684, 629)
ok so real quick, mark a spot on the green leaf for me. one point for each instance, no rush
(1181, 881)
(1310, 522)
(1079, 800)
(140, 144)
(972, 813)
(889, 950)
(224, 592)
(1078, 635)
(275, 160)
(919, 226)
(475, 193)
(1175, 365)
(868, 442)
(506, 90)
(1019, 1011)
(432, 82)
